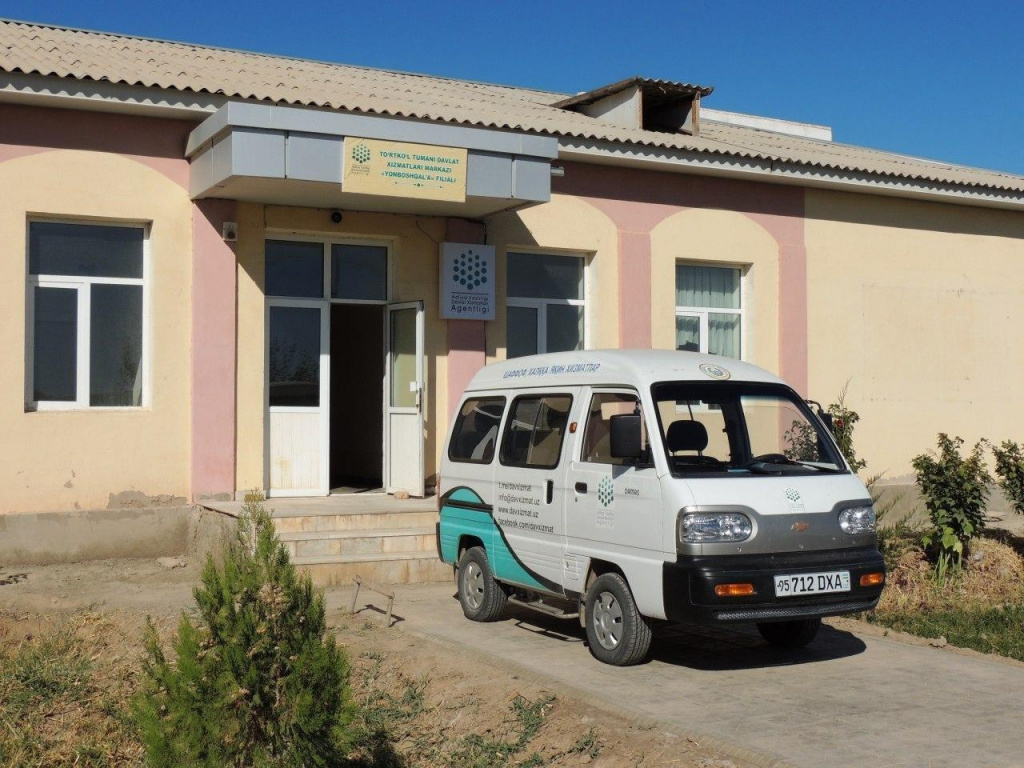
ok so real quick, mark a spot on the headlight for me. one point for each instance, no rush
(857, 520)
(700, 528)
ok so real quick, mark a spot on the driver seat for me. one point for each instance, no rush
(687, 436)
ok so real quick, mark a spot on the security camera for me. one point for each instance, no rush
(336, 217)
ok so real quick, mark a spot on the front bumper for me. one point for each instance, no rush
(689, 586)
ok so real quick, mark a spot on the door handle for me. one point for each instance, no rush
(581, 487)
(551, 491)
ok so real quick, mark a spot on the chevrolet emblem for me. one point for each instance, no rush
(800, 527)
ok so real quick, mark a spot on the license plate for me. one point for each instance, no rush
(812, 584)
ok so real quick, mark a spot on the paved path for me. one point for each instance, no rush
(844, 701)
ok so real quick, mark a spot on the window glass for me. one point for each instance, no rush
(741, 428)
(84, 250)
(115, 351)
(724, 334)
(521, 331)
(403, 358)
(476, 430)
(714, 287)
(688, 333)
(294, 356)
(564, 327)
(55, 352)
(295, 269)
(597, 437)
(535, 431)
(359, 272)
(544, 276)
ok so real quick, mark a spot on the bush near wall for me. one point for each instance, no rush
(1010, 469)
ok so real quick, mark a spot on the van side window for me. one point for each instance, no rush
(597, 437)
(535, 431)
(476, 430)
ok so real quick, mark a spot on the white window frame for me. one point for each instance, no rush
(541, 305)
(83, 288)
(703, 313)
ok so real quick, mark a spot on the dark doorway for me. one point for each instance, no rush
(357, 398)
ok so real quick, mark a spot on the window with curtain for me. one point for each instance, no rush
(709, 310)
(85, 315)
(545, 303)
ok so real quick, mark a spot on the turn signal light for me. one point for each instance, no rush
(872, 579)
(734, 590)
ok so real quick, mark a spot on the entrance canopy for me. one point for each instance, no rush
(314, 158)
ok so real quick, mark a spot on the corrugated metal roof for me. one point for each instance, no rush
(60, 52)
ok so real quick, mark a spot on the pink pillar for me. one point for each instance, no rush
(793, 315)
(634, 290)
(213, 350)
(467, 347)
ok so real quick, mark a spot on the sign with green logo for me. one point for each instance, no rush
(397, 169)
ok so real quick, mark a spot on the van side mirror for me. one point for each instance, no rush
(626, 439)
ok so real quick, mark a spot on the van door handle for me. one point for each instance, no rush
(551, 491)
(581, 487)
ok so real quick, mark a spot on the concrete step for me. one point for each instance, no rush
(394, 568)
(303, 545)
(356, 521)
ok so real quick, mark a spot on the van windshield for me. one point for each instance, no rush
(742, 428)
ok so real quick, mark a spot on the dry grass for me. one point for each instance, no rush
(993, 575)
(65, 684)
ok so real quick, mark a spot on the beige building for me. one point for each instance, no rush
(225, 271)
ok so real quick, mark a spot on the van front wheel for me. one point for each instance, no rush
(790, 634)
(482, 598)
(616, 631)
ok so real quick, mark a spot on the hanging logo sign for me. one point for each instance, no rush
(396, 169)
(467, 281)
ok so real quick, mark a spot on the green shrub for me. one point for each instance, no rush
(896, 534)
(843, 421)
(257, 679)
(955, 489)
(1010, 469)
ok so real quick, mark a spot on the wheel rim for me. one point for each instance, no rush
(473, 585)
(607, 621)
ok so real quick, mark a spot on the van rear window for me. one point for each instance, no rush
(535, 431)
(476, 430)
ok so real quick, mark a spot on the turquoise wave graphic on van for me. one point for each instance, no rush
(464, 514)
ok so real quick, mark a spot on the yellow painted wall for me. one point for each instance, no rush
(57, 460)
(415, 253)
(570, 225)
(723, 238)
(919, 306)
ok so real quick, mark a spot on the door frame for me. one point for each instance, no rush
(324, 302)
(389, 410)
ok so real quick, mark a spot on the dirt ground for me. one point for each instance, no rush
(431, 706)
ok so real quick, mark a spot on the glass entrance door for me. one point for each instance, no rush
(298, 360)
(404, 397)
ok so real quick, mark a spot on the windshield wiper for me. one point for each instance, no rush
(758, 465)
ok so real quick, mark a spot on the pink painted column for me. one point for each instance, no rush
(213, 350)
(634, 290)
(793, 316)
(467, 339)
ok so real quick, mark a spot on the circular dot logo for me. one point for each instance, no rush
(361, 153)
(605, 492)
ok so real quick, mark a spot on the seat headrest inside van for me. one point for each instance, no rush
(687, 436)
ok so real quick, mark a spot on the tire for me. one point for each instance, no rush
(616, 631)
(482, 598)
(790, 634)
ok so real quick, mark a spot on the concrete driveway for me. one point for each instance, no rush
(847, 700)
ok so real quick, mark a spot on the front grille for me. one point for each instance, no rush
(796, 611)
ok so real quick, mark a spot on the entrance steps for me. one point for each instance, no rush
(376, 537)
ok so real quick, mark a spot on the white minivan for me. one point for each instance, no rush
(627, 487)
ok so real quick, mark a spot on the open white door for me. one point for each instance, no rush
(403, 413)
(298, 376)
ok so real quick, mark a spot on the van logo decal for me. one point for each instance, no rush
(795, 501)
(605, 491)
(714, 371)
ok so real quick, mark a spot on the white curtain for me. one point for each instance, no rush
(711, 287)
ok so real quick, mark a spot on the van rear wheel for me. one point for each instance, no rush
(790, 634)
(482, 597)
(617, 632)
